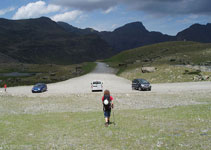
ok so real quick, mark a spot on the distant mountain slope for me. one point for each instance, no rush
(129, 36)
(76, 30)
(196, 32)
(178, 52)
(44, 41)
(165, 62)
(134, 35)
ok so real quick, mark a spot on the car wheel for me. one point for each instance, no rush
(139, 89)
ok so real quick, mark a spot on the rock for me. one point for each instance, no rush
(205, 77)
(122, 65)
(200, 78)
(172, 60)
(45, 77)
(146, 60)
(52, 74)
(138, 61)
(148, 69)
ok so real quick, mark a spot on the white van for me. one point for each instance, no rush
(97, 85)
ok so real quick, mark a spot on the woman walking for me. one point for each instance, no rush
(107, 101)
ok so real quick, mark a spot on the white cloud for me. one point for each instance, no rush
(67, 16)
(36, 9)
(109, 10)
(7, 10)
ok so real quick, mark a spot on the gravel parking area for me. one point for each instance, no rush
(75, 95)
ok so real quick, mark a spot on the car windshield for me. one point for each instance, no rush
(39, 85)
(144, 81)
(96, 82)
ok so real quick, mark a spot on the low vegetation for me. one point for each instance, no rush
(173, 61)
(30, 74)
(181, 127)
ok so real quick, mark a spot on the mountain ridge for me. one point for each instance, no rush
(42, 40)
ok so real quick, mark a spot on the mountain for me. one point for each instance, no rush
(196, 32)
(44, 41)
(72, 29)
(133, 35)
(129, 36)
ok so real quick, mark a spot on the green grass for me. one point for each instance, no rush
(183, 127)
(48, 73)
(163, 74)
(163, 56)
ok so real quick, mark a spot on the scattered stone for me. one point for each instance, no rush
(159, 143)
(148, 69)
(205, 77)
(122, 65)
(138, 61)
(78, 69)
(202, 134)
(172, 60)
(52, 74)
(200, 78)
(197, 78)
(45, 77)
(146, 60)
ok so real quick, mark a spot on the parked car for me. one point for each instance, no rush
(39, 87)
(141, 84)
(97, 85)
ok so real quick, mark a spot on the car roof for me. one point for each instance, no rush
(38, 84)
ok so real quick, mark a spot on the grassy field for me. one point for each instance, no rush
(164, 57)
(183, 127)
(48, 73)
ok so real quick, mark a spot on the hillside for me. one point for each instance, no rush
(129, 36)
(44, 41)
(133, 35)
(196, 32)
(170, 60)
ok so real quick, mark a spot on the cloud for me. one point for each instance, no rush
(67, 16)
(7, 10)
(87, 5)
(36, 9)
(109, 10)
(160, 7)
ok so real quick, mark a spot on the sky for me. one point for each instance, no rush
(166, 16)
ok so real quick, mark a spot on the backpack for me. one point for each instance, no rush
(106, 103)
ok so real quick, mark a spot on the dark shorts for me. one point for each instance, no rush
(107, 113)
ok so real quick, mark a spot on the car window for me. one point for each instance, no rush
(144, 81)
(96, 82)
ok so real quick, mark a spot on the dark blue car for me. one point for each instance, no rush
(141, 84)
(39, 87)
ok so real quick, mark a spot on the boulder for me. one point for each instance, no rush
(200, 78)
(205, 77)
(52, 74)
(148, 69)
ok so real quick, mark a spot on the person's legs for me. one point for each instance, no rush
(106, 119)
(106, 115)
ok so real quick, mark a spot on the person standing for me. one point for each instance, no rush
(107, 101)
(5, 87)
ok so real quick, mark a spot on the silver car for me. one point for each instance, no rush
(97, 85)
